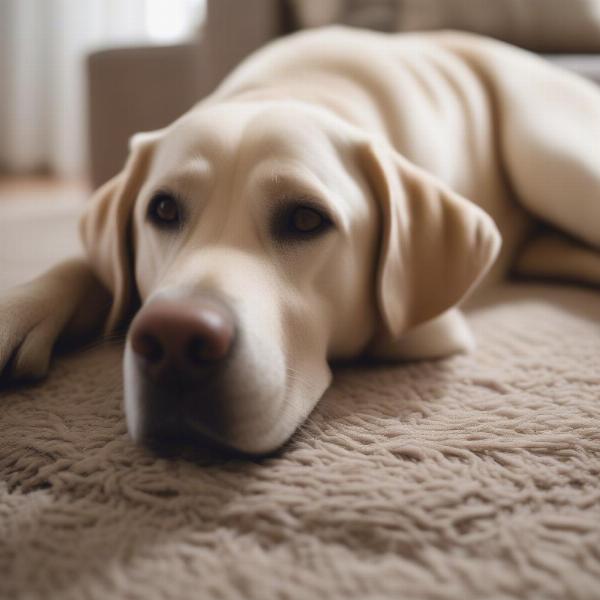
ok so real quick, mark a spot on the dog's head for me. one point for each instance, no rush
(263, 239)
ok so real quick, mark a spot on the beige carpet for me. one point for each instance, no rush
(475, 477)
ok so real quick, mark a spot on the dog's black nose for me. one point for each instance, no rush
(181, 337)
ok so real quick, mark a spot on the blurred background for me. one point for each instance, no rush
(78, 77)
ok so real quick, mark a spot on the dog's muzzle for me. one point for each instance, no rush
(180, 350)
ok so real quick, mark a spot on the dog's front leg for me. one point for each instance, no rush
(67, 302)
(447, 334)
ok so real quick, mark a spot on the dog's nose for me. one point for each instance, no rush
(182, 336)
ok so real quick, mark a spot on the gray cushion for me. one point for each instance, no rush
(587, 65)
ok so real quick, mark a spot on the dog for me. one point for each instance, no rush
(338, 195)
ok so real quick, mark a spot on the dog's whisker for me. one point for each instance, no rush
(295, 376)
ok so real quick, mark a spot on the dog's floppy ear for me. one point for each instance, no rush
(106, 223)
(435, 245)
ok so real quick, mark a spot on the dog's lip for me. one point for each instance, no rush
(214, 439)
(196, 438)
(172, 445)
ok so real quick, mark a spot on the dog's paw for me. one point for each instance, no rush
(30, 323)
(447, 334)
(67, 301)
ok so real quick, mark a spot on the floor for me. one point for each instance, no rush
(41, 189)
(35, 213)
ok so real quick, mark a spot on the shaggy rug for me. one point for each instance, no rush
(473, 477)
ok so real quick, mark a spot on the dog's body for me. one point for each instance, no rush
(315, 207)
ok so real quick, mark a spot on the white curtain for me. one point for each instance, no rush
(43, 44)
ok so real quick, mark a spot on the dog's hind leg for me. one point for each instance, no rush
(548, 121)
(555, 256)
(552, 151)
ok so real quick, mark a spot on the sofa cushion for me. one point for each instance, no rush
(541, 25)
(587, 65)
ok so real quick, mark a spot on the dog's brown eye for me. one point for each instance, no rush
(306, 220)
(164, 210)
(299, 222)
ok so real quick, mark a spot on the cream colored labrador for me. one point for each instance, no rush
(338, 195)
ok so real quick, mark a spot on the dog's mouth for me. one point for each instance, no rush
(195, 443)
(188, 445)
(177, 421)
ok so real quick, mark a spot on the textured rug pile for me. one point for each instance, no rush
(473, 477)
